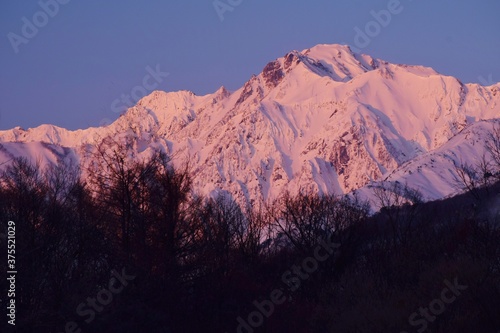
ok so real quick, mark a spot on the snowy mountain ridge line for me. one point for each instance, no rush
(324, 119)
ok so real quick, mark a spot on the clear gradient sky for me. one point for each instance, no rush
(91, 52)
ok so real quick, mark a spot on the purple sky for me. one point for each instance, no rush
(73, 71)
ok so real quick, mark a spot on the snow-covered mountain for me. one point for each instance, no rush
(325, 119)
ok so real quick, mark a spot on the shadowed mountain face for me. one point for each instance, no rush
(324, 119)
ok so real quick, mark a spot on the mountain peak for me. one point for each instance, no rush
(333, 49)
